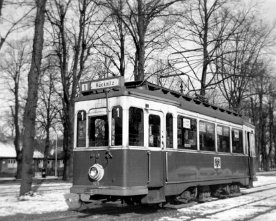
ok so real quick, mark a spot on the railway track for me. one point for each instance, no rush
(140, 213)
(120, 212)
(117, 211)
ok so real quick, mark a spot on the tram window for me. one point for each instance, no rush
(136, 127)
(169, 130)
(223, 139)
(186, 133)
(154, 131)
(81, 129)
(207, 136)
(117, 130)
(98, 131)
(237, 141)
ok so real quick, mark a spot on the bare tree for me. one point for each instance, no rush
(30, 108)
(49, 104)
(74, 42)
(203, 28)
(237, 68)
(111, 44)
(262, 87)
(1, 5)
(15, 20)
(137, 17)
(14, 65)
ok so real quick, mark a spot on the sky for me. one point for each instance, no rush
(269, 10)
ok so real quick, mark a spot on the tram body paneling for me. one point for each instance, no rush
(127, 168)
(156, 172)
(144, 169)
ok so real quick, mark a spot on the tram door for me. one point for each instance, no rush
(155, 143)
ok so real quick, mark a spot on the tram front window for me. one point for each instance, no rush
(117, 126)
(154, 130)
(81, 129)
(98, 131)
(136, 127)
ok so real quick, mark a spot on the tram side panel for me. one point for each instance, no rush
(191, 169)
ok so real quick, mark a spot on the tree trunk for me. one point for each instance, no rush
(122, 43)
(68, 142)
(205, 52)
(47, 146)
(141, 33)
(16, 141)
(1, 5)
(19, 165)
(30, 108)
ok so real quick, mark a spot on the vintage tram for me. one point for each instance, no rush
(143, 143)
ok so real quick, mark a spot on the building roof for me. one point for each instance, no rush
(7, 150)
(147, 89)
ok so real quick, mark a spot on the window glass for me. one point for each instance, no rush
(169, 130)
(223, 139)
(98, 131)
(237, 141)
(186, 133)
(136, 127)
(207, 136)
(117, 129)
(81, 129)
(154, 131)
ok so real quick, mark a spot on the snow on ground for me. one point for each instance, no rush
(258, 206)
(43, 202)
(34, 205)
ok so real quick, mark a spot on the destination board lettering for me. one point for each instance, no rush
(101, 84)
(104, 84)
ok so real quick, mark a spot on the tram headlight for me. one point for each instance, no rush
(96, 172)
(93, 172)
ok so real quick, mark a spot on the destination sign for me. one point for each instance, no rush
(102, 84)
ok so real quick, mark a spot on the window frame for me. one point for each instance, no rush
(143, 131)
(241, 134)
(214, 134)
(172, 132)
(85, 129)
(181, 117)
(217, 140)
(122, 126)
(154, 134)
(88, 132)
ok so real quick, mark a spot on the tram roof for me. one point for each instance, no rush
(156, 92)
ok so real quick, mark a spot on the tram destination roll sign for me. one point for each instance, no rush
(102, 84)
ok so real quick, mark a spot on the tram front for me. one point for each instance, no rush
(103, 166)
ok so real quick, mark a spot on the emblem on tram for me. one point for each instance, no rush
(217, 162)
